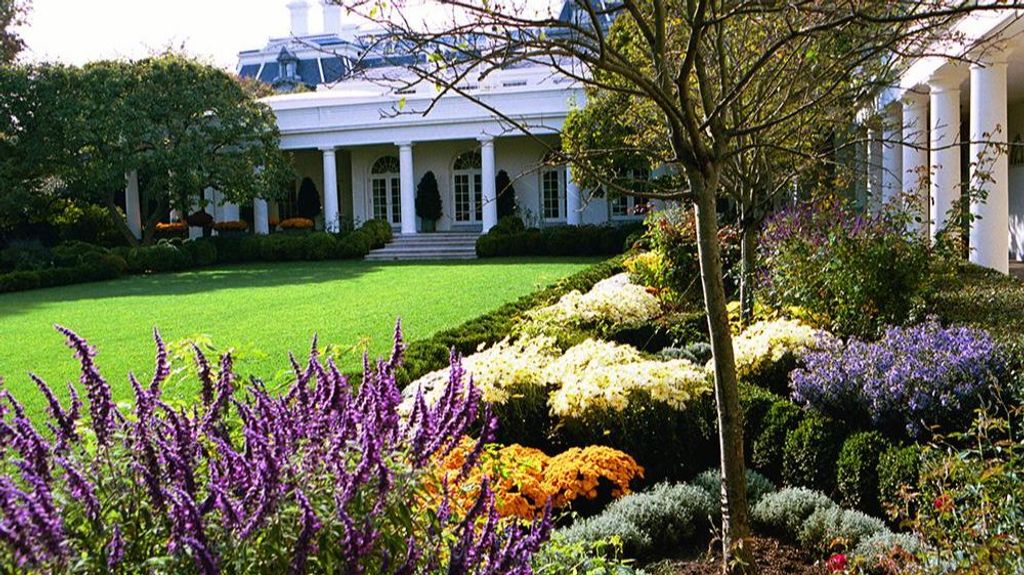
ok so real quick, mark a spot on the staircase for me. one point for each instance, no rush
(435, 246)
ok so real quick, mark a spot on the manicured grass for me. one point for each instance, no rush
(261, 311)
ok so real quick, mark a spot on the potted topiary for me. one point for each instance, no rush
(201, 219)
(506, 195)
(428, 202)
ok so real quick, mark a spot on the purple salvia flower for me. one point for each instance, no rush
(63, 421)
(115, 548)
(80, 488)
(205, 374)
(163, 366)
(101, 404)
(305, 544)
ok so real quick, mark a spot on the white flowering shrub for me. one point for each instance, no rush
(495, 370)
(768, 350)
(602, 375)
(612, 303)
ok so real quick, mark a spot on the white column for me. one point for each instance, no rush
(915, 158)
(892, 154)
(331, 223)
(487, 175)
(944, 140)
(990, 169)
(261, 223)
(408, 187)
(875, 169)
(573, 204)
(860, 171)
(132, 203)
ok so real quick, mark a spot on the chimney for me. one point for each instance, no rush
(300, 17)
(332, 17)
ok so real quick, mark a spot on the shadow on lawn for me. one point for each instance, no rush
(240, 276)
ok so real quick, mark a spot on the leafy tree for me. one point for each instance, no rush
(428, 198)
(12, 13)
(712, 79)
(183, 125)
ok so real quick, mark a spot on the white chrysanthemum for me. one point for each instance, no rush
(613, 302)
(601, 375)
(493, 370)
(767, 342)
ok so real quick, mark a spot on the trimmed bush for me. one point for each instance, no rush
(898, 469)
(320, 246)
(784, 512)
(757, 485)
(768, 447)
(163, 257)
(19, 281)
(203, 252)
(651, 523)
(71, 254)
(857, 471)
(831, 526)
(810, 453)
(756, 403)
(585, 240)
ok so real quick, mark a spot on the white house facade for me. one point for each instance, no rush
(364, 144)
(953, 124)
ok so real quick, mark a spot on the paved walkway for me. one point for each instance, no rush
(1017, 269)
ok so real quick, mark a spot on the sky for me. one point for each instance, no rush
(78, 31)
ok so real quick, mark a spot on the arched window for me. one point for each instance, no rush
(552, 190)
(386, 190)
(468, 186)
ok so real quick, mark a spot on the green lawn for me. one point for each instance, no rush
(262, 311)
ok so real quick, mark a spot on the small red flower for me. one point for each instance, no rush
(836, 563)
(943, 503)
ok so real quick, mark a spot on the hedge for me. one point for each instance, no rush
(587, 240)
(857, 471)
(79, 262)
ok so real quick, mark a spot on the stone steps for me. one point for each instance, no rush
(435, 246)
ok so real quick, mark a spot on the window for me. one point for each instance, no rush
(633, 206)
(386, 190)
(552, 187)
(467, 184)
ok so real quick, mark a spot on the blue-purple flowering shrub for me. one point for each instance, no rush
(326, 478)
(849, 272)
(913, 378)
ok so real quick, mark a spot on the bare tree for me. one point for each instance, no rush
(717, 89)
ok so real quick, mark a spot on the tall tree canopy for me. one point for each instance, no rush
(11, 14)
(700, 84)
(183, 125)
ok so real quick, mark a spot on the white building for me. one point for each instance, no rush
(956, 123)
(365, 143)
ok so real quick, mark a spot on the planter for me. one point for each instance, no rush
(428, 226)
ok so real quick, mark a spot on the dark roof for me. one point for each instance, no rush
(249, 70)
(309, 71)
(270, 72)
(334, 68)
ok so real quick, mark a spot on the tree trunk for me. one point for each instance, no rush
(748, 238)
(120, 222)
(735, 523)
